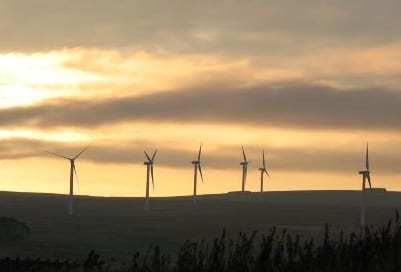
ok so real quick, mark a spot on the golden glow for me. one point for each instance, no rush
(100, 74)
(129, 180)
(57, 135)
(28, 79)
(94, 73)
(41, 69)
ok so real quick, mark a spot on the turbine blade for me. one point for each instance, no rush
(80, 153)
(154, 155)
(55, 154)
(147, 156)
(264, 161)
(151, 173)
(200, 171)
(76, 175)
(367, 156)
(200, 151)
(370, 184)
(243, 153)
(245, 171)
(267, 173)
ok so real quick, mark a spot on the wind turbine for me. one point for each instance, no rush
(244, 169)
(149, 171)
(365, 176)
(197, 166)
(72, 171)
(263, 171)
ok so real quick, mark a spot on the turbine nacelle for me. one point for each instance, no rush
(195, 162)
(150, 159)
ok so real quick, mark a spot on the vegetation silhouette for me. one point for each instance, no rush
(372, 249)
(12, 229)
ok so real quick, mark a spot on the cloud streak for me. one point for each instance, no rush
(312, 159)
(294, 105)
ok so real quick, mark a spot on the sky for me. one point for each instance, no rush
(309, 83)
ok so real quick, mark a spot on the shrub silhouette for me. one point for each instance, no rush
(12, 230)
(372, 249)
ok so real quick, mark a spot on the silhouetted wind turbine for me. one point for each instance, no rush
(197, 166)
(263, 171)
(149, 171)
(244, 170)
(72, 171)
(365, 176)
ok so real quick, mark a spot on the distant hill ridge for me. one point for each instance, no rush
(12, 203)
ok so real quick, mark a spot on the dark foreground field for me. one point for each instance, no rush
(119, 227)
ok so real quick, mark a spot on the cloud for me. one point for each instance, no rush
(291, 105)
(228, 27)
(344, 160)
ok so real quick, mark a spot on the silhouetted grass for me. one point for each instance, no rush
(372, 249)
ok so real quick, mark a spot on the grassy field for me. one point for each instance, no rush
(119, 227)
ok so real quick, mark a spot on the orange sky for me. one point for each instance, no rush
(311, 96)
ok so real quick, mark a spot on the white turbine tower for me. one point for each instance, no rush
(149, 171)
(197, 166)
(263, 171)
(72, 171)
(365, 176)
(244, 165)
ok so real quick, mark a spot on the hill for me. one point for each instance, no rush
(119, 226)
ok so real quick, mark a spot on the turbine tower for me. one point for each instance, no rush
(263, 171)
(197, 166)
(72, 171)
(244, 165)
(149, 172)
(365, 177)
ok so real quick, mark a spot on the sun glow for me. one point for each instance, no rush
(41, 69)
(31, 78)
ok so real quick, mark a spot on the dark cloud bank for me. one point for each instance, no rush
(296, 105)
(237, 27)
